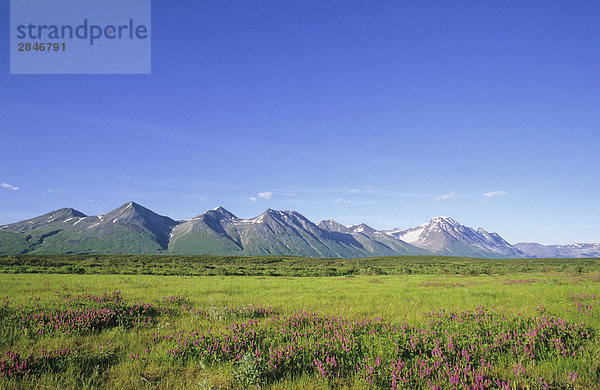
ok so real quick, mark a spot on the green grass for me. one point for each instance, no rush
(104, 356)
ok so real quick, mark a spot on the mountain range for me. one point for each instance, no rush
(133, 228)
(445, 236)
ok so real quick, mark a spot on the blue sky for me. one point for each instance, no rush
(388, 113)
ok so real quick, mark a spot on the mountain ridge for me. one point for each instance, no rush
(445, 236)
(274, 232)
(132, 228)
(577, 250)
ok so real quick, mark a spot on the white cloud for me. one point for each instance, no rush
(495, 193)
(449, 195)
(50, 190)
(265, 195)
(9, 186)
(252, 199)
(340, 200)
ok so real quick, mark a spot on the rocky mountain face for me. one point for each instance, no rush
(132, 228)
(274, 232)
(445, 236)
(370, 239)
(532, 249)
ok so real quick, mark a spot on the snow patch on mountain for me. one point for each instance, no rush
(444, 235)
(409, 235)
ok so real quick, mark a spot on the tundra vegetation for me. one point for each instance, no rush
(283, 322)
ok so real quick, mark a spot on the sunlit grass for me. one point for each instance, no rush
(393, 298)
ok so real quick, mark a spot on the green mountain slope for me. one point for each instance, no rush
(276, 232)
(129, 229)
(133, 229)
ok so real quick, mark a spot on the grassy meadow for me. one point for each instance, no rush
(373, 324)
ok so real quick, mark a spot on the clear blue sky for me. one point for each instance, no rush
(388, 113)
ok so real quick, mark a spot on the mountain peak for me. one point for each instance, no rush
(220, 212)
(333, 226)
(362, 228)
(442, 219)
(60, 216)
(444, 235)
(336, 227)
(68, 212)
(270, 211)
(130, 208)
(132, 212)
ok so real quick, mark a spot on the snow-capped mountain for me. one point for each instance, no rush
(132, 228)
(333, 226)
(580, 250)
(445, 236)
(279, 232)
(369, 239)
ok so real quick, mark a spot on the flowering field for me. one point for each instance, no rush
(521, 331)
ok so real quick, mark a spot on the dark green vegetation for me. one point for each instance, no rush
(286, 265)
